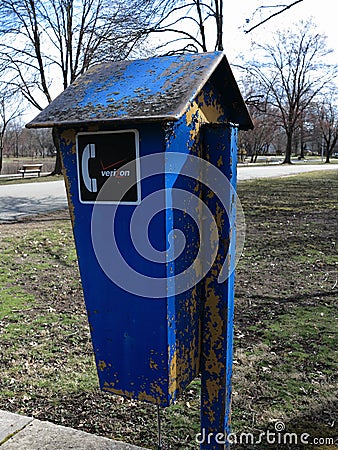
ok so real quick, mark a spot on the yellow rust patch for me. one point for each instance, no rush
(101, 365)
(128, 394)
(144, 397)
(69, 198)
(173, 374)
(213, 237)
(212, 387)
(191, 113)
(194, 355)
(213, 337)
(212, 112)
(188, 362)
(153, 364)
(219, 216)
(158, 391)
(195, 114)
(192, 303)
(69, 137)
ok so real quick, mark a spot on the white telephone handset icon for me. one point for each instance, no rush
(88, 152)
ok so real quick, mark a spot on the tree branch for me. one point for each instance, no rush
(272, 15)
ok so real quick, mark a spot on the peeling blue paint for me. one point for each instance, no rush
(153, 89)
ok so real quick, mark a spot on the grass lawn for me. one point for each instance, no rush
(285, 325)
(30, 179)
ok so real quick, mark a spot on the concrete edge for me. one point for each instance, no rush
(11, 424)
(19, 432)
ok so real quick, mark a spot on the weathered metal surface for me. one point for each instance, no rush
(157, 88)
(184, 309)
(158, 366)
(219, 145)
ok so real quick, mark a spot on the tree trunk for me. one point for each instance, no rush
(58, 163)
(288, 149)
(1, 149)
(327, 154)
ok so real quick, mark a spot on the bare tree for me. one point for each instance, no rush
(197, 25)
(46, 44)
(12, 138)
(260, 139)
(185, 23)
(277, 10)
(10, 109)
(292, 70)
(327, 115)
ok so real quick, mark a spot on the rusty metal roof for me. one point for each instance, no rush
(159, 88)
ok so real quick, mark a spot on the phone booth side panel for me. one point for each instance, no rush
(129, 332)
(184, 215)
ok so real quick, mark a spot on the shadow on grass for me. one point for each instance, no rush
(315, 429)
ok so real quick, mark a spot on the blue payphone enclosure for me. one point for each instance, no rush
(116, 125)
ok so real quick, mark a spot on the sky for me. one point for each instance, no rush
(323, 13)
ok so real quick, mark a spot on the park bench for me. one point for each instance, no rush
(30, 168)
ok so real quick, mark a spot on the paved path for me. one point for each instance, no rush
(25, 433)
(279, 170)
(19, 200)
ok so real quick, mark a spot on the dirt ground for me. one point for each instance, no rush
(285, 361)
